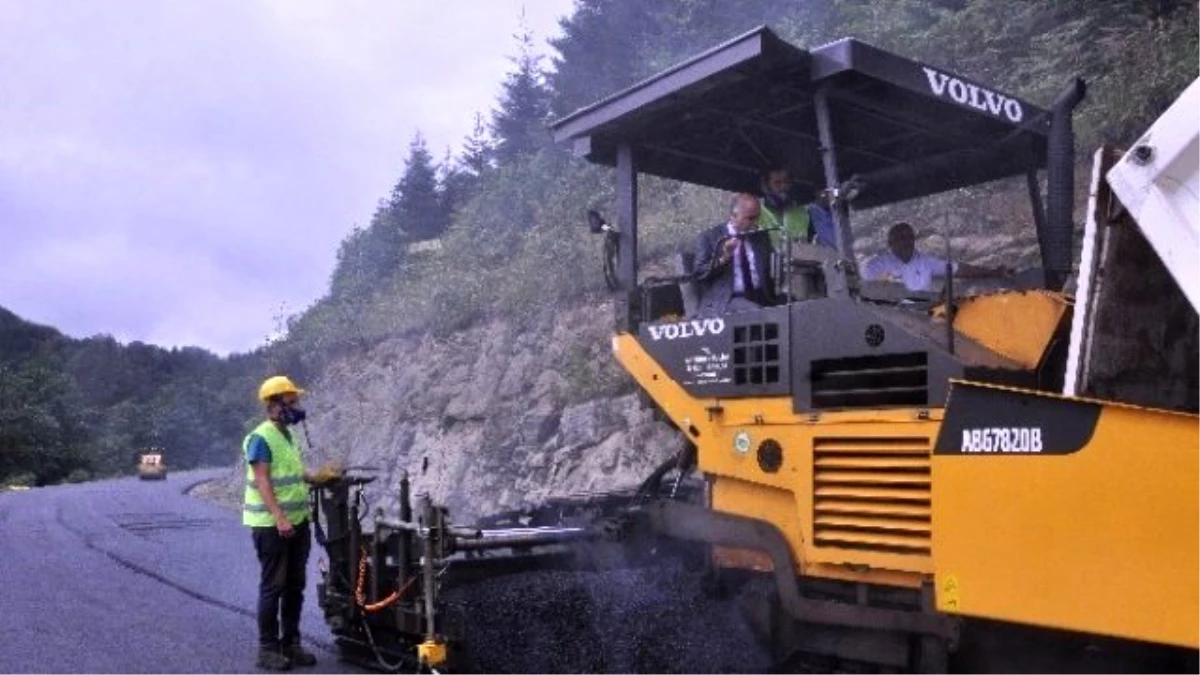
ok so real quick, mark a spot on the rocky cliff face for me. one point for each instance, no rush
(489, 419)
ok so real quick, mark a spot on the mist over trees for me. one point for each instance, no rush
(1029, 48)
(527, 195)
(506, 208)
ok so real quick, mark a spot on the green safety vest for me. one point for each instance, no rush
(287, 479)
(795, 222)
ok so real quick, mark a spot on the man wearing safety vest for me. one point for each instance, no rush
(781, 211)
(276, 510)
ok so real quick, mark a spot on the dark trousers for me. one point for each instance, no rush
(284, 562)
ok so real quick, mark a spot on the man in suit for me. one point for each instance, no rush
(733, 262)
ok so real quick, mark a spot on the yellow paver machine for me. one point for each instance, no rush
(1006, 481)
(898, 467)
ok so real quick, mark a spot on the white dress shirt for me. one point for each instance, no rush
(917, 274)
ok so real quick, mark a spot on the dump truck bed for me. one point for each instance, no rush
(1134, 331)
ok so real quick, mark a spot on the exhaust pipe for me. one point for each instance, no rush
(1057, 237)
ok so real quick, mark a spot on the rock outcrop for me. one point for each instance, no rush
(487, 420)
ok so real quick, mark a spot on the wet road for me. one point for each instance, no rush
(133, 576)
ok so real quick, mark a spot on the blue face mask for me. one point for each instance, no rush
(289, 415)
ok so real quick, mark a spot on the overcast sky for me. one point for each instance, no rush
(181, 172)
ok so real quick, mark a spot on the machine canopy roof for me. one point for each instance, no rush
(901, 128)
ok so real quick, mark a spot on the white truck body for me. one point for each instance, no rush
(1134, 324)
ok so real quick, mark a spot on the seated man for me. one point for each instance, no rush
(733, 262)
(781, 212)
(916, 270)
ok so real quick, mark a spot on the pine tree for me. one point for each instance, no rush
(519, 124)
(455, 185)
(368, 256)
(478, 149)
(599, 51)
(415, 205)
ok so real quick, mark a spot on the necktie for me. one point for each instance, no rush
(744, 264)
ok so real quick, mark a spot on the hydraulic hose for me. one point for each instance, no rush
(683, 460)
(360, 596)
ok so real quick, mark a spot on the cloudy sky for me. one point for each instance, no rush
(181, 172)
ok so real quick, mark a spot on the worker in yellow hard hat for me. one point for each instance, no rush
(276, 510)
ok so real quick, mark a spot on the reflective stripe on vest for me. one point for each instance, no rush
(286, 506)
(287, 480)
(282, 482)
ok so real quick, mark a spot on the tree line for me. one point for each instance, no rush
(73, 409)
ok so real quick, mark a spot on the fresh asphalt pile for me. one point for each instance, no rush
(644, 620)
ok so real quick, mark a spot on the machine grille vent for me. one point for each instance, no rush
(872, 494)
(870, 381)
(756, 354)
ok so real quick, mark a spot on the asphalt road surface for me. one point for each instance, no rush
(133, 576)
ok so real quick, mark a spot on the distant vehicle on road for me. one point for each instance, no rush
(151, 465)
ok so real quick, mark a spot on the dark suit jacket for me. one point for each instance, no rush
(715, 281)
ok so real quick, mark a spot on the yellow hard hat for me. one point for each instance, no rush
(274, 386)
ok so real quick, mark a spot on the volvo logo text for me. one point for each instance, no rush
(687, 329)
(973, 95)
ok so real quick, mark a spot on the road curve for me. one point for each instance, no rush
(129, 576)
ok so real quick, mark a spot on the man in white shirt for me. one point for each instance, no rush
(905, 264)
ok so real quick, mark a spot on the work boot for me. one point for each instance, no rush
(299, 656)
(271, 658)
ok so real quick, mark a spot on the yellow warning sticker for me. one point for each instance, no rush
(949, 596)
